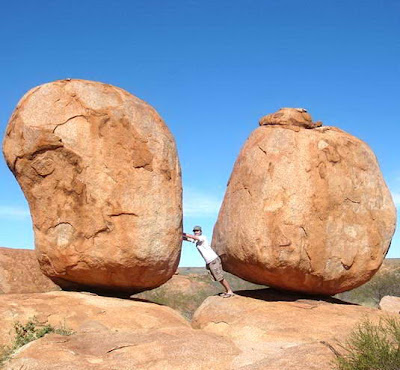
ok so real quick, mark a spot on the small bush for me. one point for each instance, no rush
(25, 333)
(371, 347)
(383, 284)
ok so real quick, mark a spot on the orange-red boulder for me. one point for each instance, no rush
(306, 208)
(100, 171)
(20, 273)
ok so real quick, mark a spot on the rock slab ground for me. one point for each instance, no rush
(306, 208)
(278, 331)
(260, 329)
(100, 171)
(109, 333)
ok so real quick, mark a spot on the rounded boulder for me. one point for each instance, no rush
(100, 171)
(306, 208)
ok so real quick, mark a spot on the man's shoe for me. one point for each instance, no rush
(227, 295)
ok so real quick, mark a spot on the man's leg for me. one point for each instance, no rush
(226, 285)
(217, 273)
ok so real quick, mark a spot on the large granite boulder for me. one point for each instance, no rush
(100, 171)
(20, 273)
(306, 208)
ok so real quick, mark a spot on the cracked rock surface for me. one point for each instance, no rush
(306, 208)
(100, 171)
(275, 330)
(109, 333)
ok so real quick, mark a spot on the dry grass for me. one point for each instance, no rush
(28, 332)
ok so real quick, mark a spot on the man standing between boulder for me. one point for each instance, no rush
(213, 262)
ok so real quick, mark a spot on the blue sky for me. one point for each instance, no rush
(211, 69)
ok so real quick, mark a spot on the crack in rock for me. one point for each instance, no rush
(353, 201)
(123, 214)
(69, 119)
(259, 147)
(116, 348)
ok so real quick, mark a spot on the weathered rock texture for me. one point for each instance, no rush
(261, 329)
(109, 333)
(163, 348)
(278, 331)
(100, 171)
(305, 209)
(83, 311)
(292, 118)
(20, 273)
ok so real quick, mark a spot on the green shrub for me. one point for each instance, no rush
(28, 332)
(371, 347)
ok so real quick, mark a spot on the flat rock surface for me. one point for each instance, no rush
(390, 304)
(20, 273)
(261, 329)
(278, 331)
(111, 333)
(100, 171)
(162, 348)
(76, 311)
(305, 210)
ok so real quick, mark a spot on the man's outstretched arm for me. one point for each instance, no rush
(189, 236)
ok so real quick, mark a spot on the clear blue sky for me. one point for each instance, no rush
(211, 69)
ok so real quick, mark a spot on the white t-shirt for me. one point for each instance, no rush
(205, 250)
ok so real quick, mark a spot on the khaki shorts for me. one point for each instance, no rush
(215, 268)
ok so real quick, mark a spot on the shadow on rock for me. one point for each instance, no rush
(274, 295)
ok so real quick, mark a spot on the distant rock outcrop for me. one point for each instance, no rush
(101, 174)
(306, 208)
(390, 304)
(281, 331)
(20, 273)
